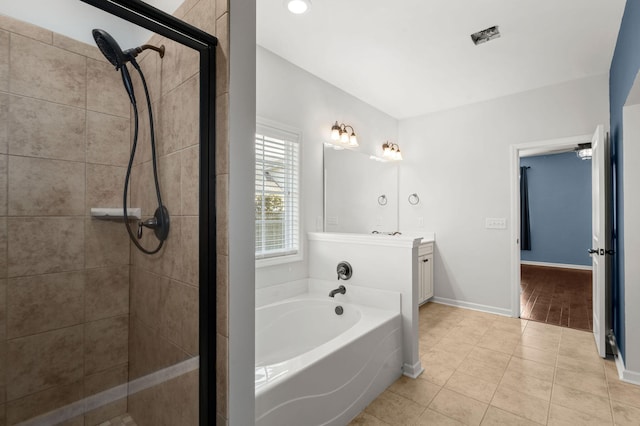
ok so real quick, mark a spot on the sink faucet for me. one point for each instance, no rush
(341, 290)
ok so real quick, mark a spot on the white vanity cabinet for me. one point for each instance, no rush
(425, 272)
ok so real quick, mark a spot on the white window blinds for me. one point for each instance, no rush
(277, 196)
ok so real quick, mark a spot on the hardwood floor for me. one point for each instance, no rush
(557, 296)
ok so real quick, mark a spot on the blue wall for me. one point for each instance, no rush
(624, 68)
(559, 209)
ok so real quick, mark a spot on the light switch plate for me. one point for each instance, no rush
(332, 220)
(495, 223)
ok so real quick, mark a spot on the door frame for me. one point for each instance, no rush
(548, 146)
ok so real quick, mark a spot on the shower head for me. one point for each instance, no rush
(109, 48)
(114, 54)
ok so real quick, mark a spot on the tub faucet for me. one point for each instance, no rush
(341, 290)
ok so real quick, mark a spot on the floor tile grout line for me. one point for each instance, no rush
(553, 383)
(503, 374)
(488, 404)
(606, 380)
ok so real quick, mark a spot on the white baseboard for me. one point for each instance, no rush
(556, 265)
(472, 306)
(412, 371)
(625, 375)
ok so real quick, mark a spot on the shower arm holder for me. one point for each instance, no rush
(135, 51)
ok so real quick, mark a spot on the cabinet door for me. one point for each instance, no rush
(425, 277)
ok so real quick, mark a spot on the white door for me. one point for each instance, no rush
(599, 160)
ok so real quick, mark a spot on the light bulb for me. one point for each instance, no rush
(344, 136)
(585, 154)
(335, 132)
(298, 6)
(353, 141)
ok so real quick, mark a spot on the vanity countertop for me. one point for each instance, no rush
(427, 237)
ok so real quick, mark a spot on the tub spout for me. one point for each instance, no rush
(341, 290)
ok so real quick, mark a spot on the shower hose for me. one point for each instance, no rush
(161, 208)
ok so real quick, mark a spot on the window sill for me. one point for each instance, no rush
(278, 260)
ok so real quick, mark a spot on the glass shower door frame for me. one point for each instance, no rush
(153, 19)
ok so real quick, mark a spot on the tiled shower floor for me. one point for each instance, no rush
(123, 420)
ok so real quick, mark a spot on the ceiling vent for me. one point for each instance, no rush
(485, 35)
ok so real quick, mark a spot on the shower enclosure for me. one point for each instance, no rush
(92, 329)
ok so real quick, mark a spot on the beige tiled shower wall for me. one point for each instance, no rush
(164, 287)
(64, 277)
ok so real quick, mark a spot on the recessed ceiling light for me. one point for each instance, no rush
(298, 6)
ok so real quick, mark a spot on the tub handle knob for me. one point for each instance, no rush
(344, 270)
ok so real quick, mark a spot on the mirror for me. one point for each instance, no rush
(360, 193)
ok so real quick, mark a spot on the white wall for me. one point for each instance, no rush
(458, 163)
(291, 96)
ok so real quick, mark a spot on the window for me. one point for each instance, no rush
(277, 204)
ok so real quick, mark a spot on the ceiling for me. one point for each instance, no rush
(413, 57)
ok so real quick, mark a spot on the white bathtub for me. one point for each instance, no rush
(314, 367)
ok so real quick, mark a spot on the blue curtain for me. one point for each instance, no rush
(525, 225)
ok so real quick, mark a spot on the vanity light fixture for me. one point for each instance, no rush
(584, 151)
(298, 7)
(339, 133)
(391, 151)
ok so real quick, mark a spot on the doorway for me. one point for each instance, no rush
(601, 229)
(518, 151)
(556, 204)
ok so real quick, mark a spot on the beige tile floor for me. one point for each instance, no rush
(484, 369)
